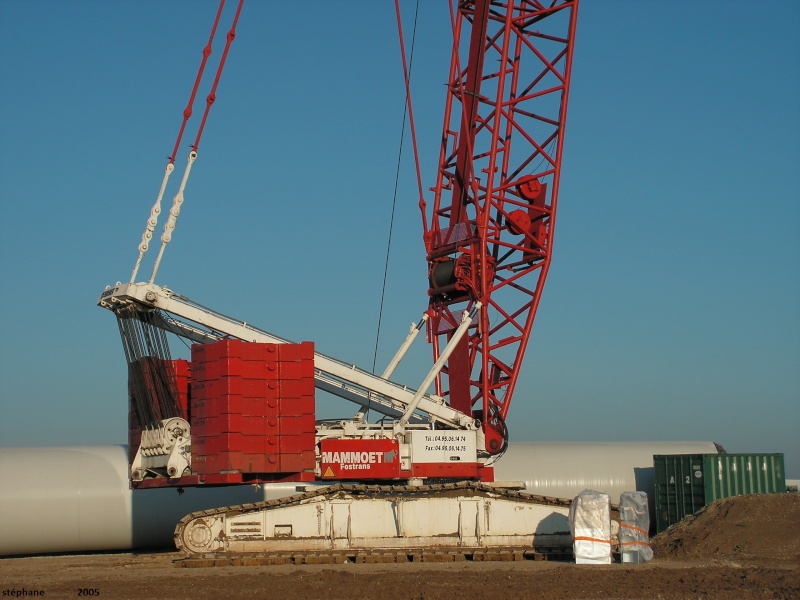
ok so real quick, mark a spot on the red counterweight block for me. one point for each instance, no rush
(302, 352)
(298, 462)
(204, 407)
(252, 407)
(296, 406)
(243, 368)
(261, 463)
(235, 359)
(203, 464)
(296, 388)
(296, 370)
(233, 442)
(230, 348)
(297, 425)
(236, 386)
(296, 444)
(183, 379)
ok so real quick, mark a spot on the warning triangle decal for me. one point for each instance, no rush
(328, 472)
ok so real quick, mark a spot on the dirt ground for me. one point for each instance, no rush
(746, 547)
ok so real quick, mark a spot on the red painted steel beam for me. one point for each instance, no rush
(469, 101)
(490, 232)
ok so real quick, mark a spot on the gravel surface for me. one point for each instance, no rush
(746, 547)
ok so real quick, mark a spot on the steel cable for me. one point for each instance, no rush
(396, 182)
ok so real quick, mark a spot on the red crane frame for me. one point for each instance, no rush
(489, 238)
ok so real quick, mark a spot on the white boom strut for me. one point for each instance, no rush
(331, 375)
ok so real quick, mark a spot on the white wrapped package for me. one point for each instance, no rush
(634, 527)
(590, 525)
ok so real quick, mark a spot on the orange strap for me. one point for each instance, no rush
(642, 531)
(589, 539)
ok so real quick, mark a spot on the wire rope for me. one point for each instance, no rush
(396, 178)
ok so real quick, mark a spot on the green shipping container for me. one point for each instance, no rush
(684, 483)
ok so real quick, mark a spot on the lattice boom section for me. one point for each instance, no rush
(490, 234)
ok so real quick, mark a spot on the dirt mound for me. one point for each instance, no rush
(757, 528)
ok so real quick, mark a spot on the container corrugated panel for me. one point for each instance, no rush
(684, 483)
(736, 474)
(679, 487)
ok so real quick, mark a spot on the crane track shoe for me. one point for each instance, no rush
(350, 519)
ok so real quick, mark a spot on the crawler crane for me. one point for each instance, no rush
(421, 479)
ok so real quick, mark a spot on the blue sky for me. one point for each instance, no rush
(672, 309)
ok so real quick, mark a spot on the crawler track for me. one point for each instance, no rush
(393, 493)
(372, 557)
